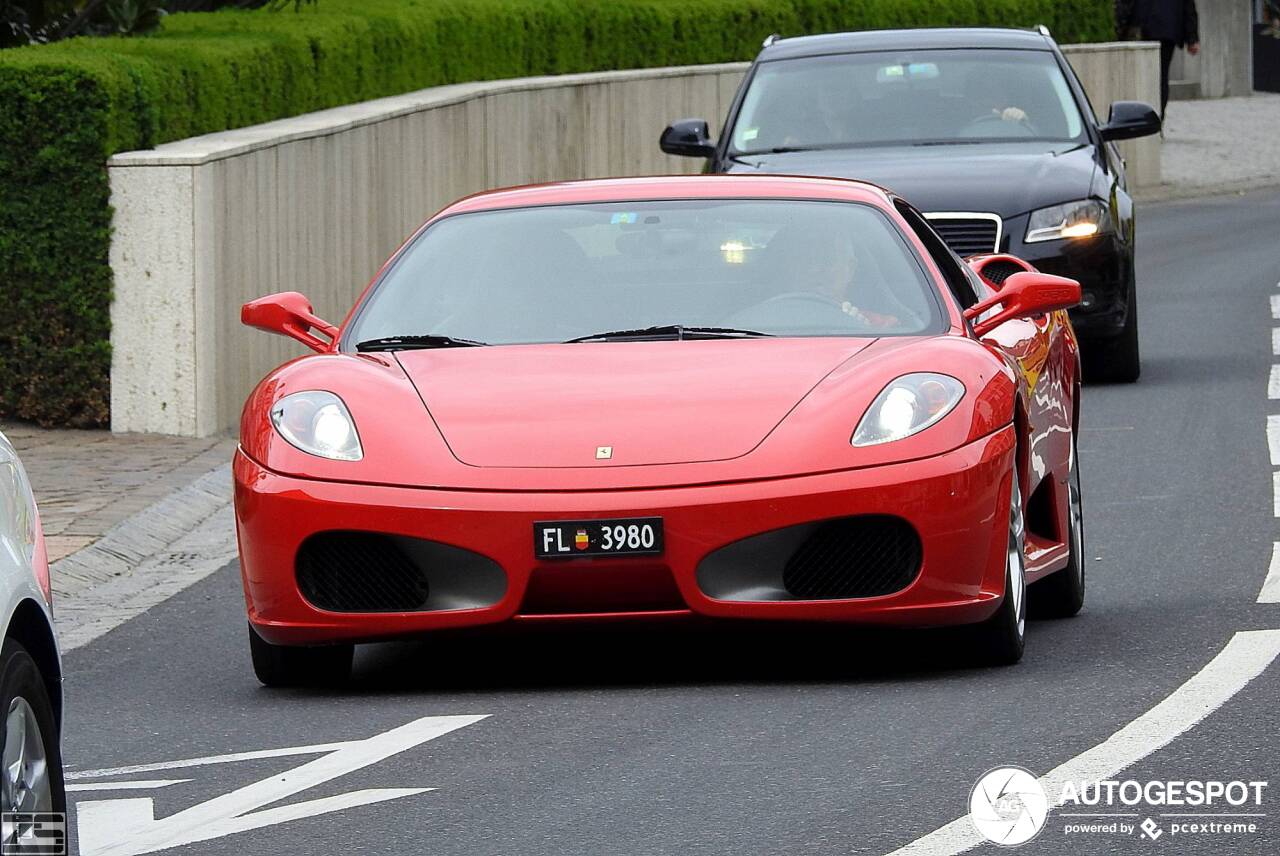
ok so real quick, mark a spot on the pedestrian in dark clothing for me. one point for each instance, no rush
(1172, 23)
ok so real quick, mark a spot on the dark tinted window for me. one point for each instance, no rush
(906, 97)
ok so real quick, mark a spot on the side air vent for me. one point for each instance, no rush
(359, 572)
(866, 556)
(374, 572)
(998, 270)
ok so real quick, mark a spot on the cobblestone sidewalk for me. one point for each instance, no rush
(88, 481)
(1219, 145)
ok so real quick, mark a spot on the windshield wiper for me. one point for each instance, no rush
(786, 150)
(408, 343)
(670, 331)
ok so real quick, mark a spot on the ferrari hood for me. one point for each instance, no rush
(618, 403)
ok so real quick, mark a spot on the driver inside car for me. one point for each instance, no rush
(993, 99)
(827, 266)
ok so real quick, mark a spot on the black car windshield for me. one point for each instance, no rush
(610, 272)
(904, 98)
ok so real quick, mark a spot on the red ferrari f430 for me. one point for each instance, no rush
(729, 397)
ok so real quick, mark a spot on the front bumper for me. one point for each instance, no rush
(957, 502)
(1103, 265)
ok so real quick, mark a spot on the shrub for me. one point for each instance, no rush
(66, 107)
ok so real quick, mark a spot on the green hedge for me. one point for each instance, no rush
(65, 108)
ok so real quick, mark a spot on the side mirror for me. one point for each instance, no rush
(689, 138)
(289, 314)
(1130, 119)
(1024, 295)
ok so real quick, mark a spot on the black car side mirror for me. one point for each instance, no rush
(688, 138)
(1130, 119)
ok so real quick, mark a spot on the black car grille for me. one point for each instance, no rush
(997, 271)
(866, 556)
(359, 572)
(967, 236)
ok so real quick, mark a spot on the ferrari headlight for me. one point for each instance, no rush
(908, 406)
(318, 423)
(1073, 220)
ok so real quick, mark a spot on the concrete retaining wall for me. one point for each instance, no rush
(1224, 65)
(315, 203)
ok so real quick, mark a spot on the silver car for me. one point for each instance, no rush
(30, 665)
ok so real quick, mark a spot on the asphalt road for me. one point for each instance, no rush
(769, 740)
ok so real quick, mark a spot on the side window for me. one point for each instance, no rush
(954, 270)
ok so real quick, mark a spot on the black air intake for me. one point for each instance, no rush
(359, 572)
(847, 557)
(997, 271)
(865, 556)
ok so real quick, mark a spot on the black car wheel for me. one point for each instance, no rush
(289, 666)
(1116, 359)
(31, 775)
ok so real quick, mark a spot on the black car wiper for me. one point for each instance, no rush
(670, 331)
(785, 150)
(408, 343)
(968, 142)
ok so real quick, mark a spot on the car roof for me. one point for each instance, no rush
(656, 188)
(918, 39)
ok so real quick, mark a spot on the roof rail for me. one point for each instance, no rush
(1044, 31)
(770, 39)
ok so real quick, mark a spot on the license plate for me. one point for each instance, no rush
(568, 539)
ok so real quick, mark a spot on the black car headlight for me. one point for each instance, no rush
(1082, 219)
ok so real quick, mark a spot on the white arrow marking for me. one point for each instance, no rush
(127, 827)
(1271, 585)
(135, 785)
(256, 755)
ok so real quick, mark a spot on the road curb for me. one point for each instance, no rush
(145, 559)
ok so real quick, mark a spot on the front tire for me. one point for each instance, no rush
(1001, 638)
(1117, 359)
(290, 666)
(31, 777)
(1061, 594)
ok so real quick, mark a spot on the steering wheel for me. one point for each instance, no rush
(1023, 126)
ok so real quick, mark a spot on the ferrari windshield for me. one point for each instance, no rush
(732, 267)
(905, 98)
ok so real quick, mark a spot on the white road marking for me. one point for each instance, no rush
(1271, 585)
(1275, 306)
(1273, 382)
(137, 785)
(315, 749)
(128, 827)
(1244, 658)
(1275, 493)
(1275, 340)
(1273, 439)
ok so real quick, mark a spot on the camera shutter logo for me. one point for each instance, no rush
(1008, 806)
(33, 833)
